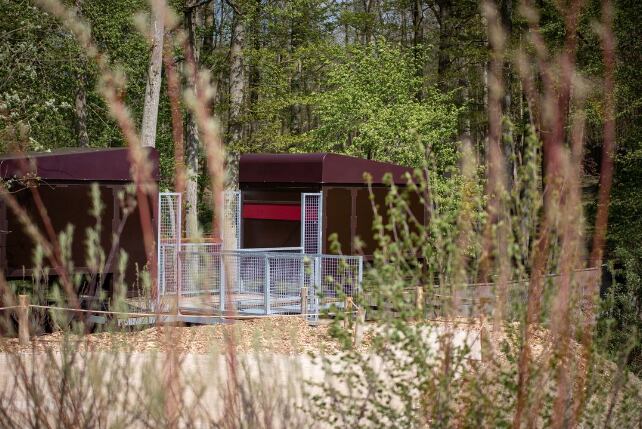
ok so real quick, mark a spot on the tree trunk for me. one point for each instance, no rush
(417, 26)
(192, 141)
(417, 41)
(506, 15)
(81, 96)
(152, 90)
(254, 78)
(237, 80)
(443, 60)
(81, 111)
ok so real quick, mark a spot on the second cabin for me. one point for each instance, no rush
(299, 200)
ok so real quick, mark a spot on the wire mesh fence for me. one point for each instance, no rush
(265, 282)
(206, 277)
(168, 239)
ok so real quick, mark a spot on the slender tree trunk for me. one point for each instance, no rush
(154, 75)
(403, 24)
(82, 135)
(192, 141)
(417, 26)
(506, 17)
(443, 57)
(417, 41)
(368, 30)
(81, 111)
(254, 78)
(237, 79)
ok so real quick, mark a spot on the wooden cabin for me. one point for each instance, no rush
(63, 180)
(273, 185)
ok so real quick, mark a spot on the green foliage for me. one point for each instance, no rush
(620, 323)
(37, 78)
(41, 63)
(417, 374)
(371, 109)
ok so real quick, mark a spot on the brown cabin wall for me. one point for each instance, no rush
(348, 213)
(70, 204)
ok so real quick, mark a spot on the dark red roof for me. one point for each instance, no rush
(110, 164)
(312, 168)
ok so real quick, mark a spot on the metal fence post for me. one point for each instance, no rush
(160, 268)
(178, 279)
(266, 288)
(223, 284)
(316, 285)
(360, 273)
(320, 224)
(317, 273)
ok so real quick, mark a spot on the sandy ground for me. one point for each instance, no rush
(276, 361)
(286, 336)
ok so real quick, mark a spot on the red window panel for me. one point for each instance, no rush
(291, 212)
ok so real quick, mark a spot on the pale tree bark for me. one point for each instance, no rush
(152, 90)
(193, 19)
(237, 77)
(82, 135)
(81, 111)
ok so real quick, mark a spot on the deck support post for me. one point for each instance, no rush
(419, 301)
(23, 320)
(304, 302)
(348, 310)
(358, 326)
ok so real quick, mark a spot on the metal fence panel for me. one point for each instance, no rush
(168, 241)
(265, 282)
(249, 287)
(232, 219)
(311, 218)
(286, 281)
(339, 276)
(200, 273)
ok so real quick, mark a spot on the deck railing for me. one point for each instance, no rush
(259, 282)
